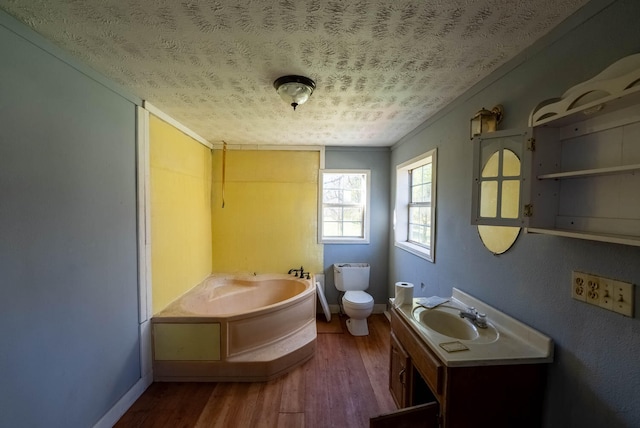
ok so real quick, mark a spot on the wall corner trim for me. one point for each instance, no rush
(171, 121)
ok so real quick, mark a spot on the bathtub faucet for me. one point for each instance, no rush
(300, 271)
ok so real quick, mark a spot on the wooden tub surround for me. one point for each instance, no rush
(236, 328)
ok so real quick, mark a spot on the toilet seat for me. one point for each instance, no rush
(357, 299)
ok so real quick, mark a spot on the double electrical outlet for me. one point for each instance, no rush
(607, 293)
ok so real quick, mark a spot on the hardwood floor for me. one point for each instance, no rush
(343, 385)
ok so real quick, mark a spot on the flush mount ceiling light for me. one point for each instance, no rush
(294, 90)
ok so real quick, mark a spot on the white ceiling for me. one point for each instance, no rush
(381, 67)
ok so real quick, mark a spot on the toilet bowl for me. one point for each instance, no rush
(358, 305)
(353, 279)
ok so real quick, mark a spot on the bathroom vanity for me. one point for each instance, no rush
(454, 374)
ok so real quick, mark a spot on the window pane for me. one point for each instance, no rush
(352, 196)
(416, 194)
(332, 196)
(332, 214)
(421, 193)
(420, 215)
(489, 199)
(510, 198)
(426, 173)
(510, 164)
(419, 227)
(420, 234)
(491, 167)
(352, 181)
(331, 180)
(414, 232)
(416, 176)
(332, 228)
(353, 214)
(352, 229)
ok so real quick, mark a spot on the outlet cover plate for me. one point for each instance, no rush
(579, 286)
(593, 290)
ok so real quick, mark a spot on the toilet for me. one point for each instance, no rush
(353, 279)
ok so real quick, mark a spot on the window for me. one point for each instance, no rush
(344, 206)
(414, 217)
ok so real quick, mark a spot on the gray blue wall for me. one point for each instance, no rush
(595, 379)
(69, 346)
(376, 253)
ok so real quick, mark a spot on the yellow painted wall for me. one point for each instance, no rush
(269, 222)
(180, 170)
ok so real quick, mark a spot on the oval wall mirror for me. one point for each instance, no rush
(504, 164)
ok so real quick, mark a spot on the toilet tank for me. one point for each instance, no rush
(351, 276)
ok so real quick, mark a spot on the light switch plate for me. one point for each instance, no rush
(623, 298)
(606, 293)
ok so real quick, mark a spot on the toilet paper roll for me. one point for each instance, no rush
(404, 294)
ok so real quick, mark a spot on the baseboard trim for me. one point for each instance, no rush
(377, 309)
(115, 413)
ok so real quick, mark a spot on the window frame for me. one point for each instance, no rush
(403, 201)
(364, 239)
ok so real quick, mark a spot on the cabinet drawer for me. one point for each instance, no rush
(429, 366)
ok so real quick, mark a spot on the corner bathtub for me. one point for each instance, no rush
(236, 328)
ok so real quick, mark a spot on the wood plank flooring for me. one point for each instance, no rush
(343, 385)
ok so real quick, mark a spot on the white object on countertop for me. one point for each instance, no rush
(431, 302)
(404, 294)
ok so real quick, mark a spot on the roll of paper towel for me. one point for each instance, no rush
(404, 294)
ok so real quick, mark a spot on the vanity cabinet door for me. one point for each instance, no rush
(425, 415)
(399, 371)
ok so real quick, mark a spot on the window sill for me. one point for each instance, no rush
(344, 241)
(416, 250)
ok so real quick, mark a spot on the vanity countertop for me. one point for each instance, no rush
(516, 342)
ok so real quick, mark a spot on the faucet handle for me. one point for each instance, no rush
(481, 320)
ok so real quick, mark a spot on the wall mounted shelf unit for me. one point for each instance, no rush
(580, 161)
(586, 164)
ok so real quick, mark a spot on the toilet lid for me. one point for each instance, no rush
(357, 298)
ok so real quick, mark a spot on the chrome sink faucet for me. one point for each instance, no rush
(477, 318)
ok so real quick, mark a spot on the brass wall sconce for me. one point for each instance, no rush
(486, 120)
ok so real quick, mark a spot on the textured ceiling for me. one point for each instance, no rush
(381, 67)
